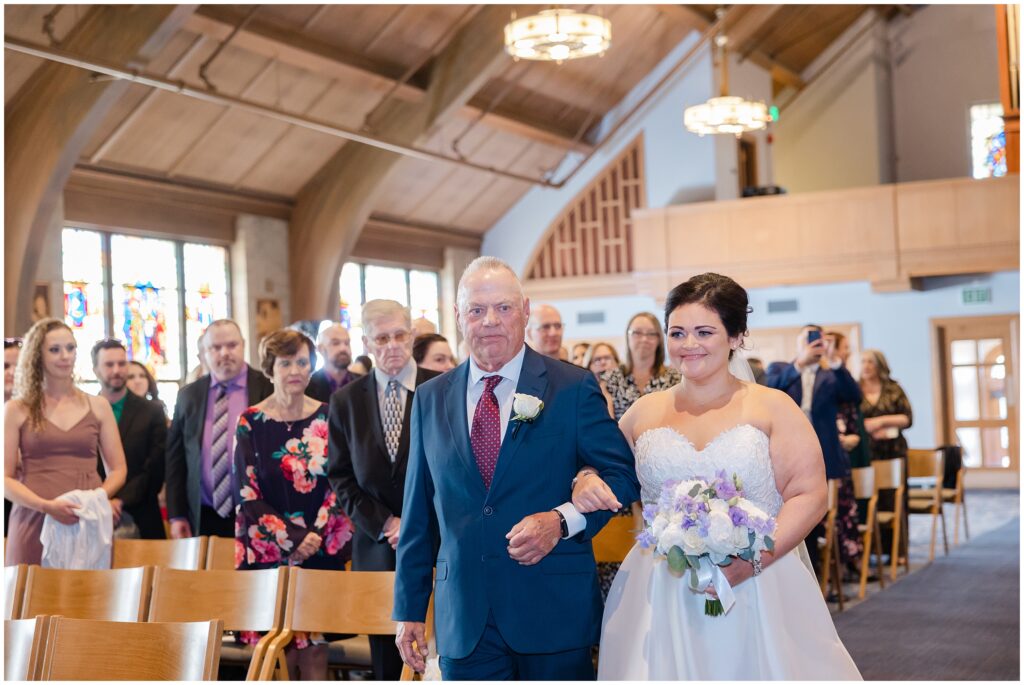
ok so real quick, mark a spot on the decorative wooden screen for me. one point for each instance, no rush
(594, 235)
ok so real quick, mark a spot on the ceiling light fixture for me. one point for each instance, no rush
(556, 35)
(726, 113)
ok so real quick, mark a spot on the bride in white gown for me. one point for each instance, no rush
(654, 626)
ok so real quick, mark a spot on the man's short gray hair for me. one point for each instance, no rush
(484, 264)
(374, 310)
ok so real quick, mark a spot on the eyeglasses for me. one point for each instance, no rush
(549, 327)
(400, 337)
(633, 333)
(602, 360)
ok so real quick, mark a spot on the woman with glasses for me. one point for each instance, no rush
(60, 432)
(645, 370)
(599, 358)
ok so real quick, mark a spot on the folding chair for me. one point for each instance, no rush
(830, 559)
(14, 589)
(24, 640)
(928, 464)
(115, 595)
(871, 537)
(889, 476)
(186, 553)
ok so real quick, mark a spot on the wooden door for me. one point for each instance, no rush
(977, 364)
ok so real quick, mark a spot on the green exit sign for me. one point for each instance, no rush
(976, 295)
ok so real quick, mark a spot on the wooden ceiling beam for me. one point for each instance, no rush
(305, 52)
(51, 119)
(334, 206)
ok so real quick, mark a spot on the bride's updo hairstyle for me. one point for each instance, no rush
(721, 294)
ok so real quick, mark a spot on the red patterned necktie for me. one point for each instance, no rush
(486, 434)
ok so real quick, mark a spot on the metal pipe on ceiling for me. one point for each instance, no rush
(180, 87)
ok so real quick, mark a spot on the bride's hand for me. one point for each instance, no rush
(592, 494)
(739, 571)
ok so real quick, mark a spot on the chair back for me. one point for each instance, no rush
(186, 553)
(14, 589)
(833, 495)
(888, 473)
(357, 602)
(115, 595)
(220, 553)
(79, 649)
(953, 463)
(249, 600)
(863, 482)
(925, 464)
(615, 540)
(24, 640)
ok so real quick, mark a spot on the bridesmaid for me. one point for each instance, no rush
(60, 431)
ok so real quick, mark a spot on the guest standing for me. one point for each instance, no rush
(60, 432)
(599, 358)
(140, 381)
(645, 370)
(200, 487)
(369, 451)
(431, 351)
(544, 331)
(287, 513)
(334, 344)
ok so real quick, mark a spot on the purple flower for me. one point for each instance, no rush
(645, 539)
(739, 517)
(762, 526)
(650, 511)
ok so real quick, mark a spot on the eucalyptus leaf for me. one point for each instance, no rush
(676, 559)
(769, 544)
(694, 490)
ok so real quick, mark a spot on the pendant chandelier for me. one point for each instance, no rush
(726, 113)
(555, 35)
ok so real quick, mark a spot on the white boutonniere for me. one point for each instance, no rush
(525, 409)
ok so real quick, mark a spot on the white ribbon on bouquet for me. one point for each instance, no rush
(710, 573)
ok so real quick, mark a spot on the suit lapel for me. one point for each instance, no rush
(203, 390)
(128, 414)
(532, 381)
(819, 379)
(373, 407)
(455, 409)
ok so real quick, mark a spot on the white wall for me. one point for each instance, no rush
(835, 134)
(680, 167)
(747, 80)
(945, 60)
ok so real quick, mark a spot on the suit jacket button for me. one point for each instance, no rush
(488, 511)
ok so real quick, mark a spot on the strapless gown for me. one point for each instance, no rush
(654, 627)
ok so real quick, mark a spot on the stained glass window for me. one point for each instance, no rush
(988, 141)
(350, 294)
(206, 293)
(84, 293)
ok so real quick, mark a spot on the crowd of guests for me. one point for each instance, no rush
(307, 468)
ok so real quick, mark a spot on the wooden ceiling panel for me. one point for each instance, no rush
(415, 33)
(286, 87)
(18, 69)
(409, 184)
(447, 201)
(229, 148)
(348, 104)
(26, 21)
(355, 27)
(491, 204)
(118, 113)
(291, 162)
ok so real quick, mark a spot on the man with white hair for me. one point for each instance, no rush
(496, 444)
(335, 346)
(544, 331)
(368, 449)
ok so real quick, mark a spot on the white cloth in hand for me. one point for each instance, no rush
(85, 544)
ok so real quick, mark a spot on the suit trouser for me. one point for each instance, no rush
(212, 523)
(387, 662)
(493, 659)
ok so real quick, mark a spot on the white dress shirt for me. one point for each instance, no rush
(505, 393)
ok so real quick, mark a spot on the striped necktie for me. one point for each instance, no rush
(220, 465)
(392, 419)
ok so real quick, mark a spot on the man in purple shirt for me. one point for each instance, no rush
(335, 346)
(201, 492)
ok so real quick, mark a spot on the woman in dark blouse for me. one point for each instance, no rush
(288, 515)
(644, 370)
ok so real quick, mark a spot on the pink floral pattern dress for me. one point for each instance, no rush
(281, 469)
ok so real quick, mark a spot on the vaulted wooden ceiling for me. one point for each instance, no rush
(338, 63)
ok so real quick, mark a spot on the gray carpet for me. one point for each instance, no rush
(956, 619)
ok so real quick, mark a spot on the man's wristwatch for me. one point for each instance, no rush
(563, 523)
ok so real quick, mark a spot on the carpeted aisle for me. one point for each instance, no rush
(956, 619)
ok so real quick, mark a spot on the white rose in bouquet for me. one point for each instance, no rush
(694, 543)
(720, 535)
(673, 536)
(740, 537)
(718, 506)
(658, 525)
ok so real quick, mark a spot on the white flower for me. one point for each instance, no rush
(658, 525)
(719, 506)
(526, 407)
(693, 542)
(316, 446)
(751, 508)
(740, 537)
(672, 537)
(720, 533)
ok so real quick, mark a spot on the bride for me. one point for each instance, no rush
(654, 626)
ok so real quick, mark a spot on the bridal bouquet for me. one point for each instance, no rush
(701, 525)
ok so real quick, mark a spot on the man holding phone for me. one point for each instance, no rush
(818, 382)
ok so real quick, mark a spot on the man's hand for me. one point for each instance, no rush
(391, 527)
(592, 494)
(412, 644)
(116, 507)
(180, 528)
(531, 539)
(811, 353)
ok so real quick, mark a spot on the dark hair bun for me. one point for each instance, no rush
(719, 293)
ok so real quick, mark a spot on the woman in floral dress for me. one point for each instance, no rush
(288, 513)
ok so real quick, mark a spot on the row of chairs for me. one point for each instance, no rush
(277, 602)
(888, 475)
(211, 553)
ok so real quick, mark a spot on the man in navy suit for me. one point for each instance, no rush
(489, 486)
(818, 388)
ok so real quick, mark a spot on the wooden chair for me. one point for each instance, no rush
(953, 495)
(115, 595)
(24, 640)
(79, 649)
(870, 535)
(889, 476)
(250, 600)
(14, 589)
(333, 602)
(830, 567)
(186, 553)
(928, 464)
(613, 543)
(220, 553)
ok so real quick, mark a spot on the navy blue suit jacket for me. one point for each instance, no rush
(832, 387)
(552, 606)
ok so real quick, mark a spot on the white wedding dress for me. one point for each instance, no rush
(655, 627)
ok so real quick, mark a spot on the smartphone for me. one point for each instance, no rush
(813, 336)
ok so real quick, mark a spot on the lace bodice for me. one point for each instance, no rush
(665, 454)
